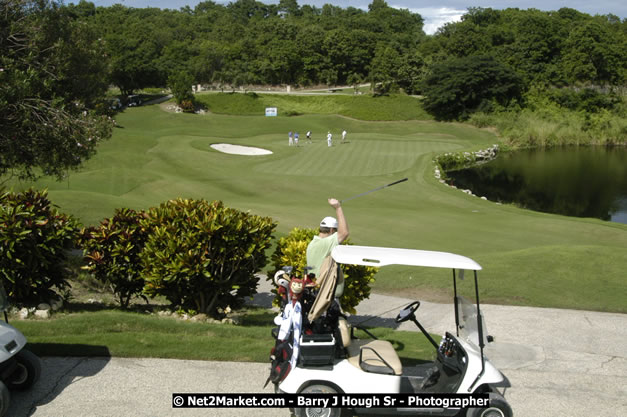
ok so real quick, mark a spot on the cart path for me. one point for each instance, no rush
(561, 363)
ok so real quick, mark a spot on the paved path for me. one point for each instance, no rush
(560, 363)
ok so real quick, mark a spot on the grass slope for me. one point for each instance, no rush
(528, 258)
(363, 107)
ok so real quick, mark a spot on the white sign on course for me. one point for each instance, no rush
(271, 111)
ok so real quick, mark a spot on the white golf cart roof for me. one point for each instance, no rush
(374, 256)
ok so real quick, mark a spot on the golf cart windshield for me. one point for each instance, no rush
(467, 319)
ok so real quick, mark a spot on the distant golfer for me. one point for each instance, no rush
(291, 140)
(343, 136)
(296, 138)
(309, 136)
(329, 139)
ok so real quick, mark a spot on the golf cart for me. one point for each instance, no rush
(19, 368)
(133, 100)
(339, 363)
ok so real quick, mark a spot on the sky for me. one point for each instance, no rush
(434, 12)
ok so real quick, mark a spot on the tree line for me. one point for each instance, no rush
(57, 61)
(248, 42)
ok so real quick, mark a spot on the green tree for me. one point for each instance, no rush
(411, 72)
(464, 39)
(181, 86)
(536, 44)
(316, 60)
(384, 70)
(51, 79)
(134, 60)
(207, 60)
(289, 7)
(458, 87)
(592, 54)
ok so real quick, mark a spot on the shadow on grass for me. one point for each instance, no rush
(262, 299)
(258, 317)
(75, 362)
(68, 349)
(78, 307)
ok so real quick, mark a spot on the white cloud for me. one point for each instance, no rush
(436, 17)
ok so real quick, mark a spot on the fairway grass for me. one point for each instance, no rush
(528, 258)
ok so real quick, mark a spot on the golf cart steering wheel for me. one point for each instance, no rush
(407, 313)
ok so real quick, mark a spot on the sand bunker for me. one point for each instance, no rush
(240, 150)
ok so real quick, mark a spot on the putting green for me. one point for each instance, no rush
(528, 258)
(363, 155)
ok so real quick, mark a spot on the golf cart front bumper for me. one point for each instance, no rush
(11, 342)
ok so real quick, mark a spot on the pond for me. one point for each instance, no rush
(577, 181)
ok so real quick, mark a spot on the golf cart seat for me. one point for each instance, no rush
(370, 355)
(376, 356)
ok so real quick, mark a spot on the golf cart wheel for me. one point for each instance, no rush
(498, 408)
(27, 372)
(317, 411)
(5, 398)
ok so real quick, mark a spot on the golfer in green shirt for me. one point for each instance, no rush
(333, 231)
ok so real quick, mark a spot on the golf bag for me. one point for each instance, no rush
(280, 356)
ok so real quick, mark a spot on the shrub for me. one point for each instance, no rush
(187, 106)
(292, 251)
(203, 256)
(112, 252)
(34, 238)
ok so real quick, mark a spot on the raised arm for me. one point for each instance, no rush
(342, 225)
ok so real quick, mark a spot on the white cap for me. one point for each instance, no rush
(330, 222)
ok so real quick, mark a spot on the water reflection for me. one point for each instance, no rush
(583, 182)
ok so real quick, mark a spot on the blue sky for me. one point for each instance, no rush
(434, 12)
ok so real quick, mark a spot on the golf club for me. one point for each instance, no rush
(373, 190)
